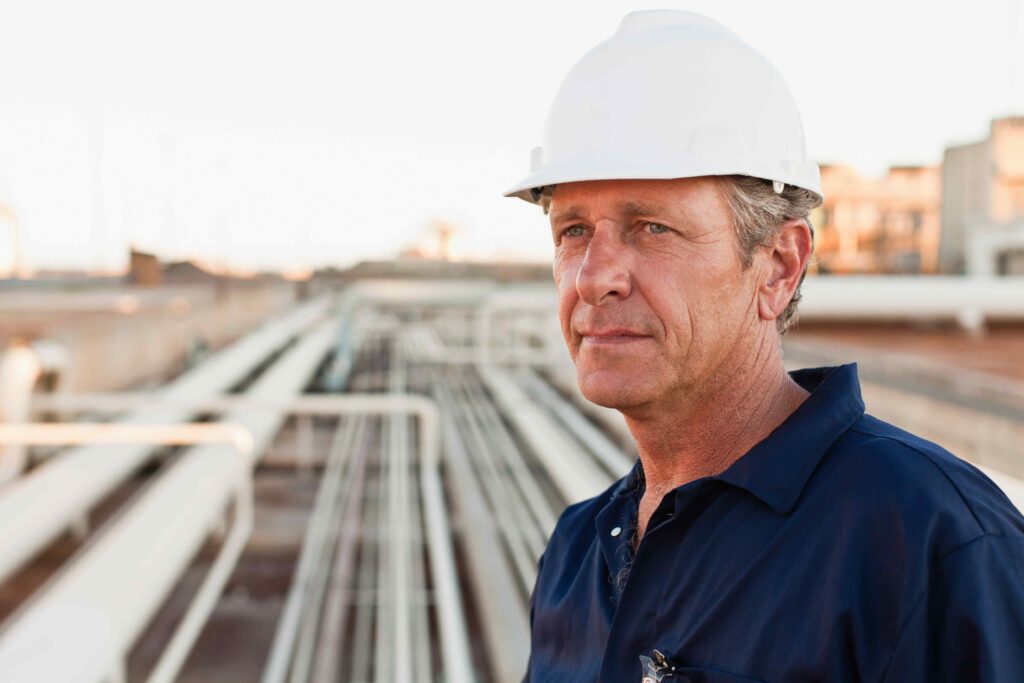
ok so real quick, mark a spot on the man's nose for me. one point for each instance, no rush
(604, 273)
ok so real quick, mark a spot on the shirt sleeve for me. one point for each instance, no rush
(968, 624)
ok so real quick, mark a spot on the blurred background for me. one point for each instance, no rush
(282, 394)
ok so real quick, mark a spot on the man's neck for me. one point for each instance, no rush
(704, 434)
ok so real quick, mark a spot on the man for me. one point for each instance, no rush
(770, 530)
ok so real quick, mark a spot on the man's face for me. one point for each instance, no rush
(652, 295)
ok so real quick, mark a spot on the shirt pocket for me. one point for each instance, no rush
(690, 674)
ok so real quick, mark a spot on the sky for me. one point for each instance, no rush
(284, 136)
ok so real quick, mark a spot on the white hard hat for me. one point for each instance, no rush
(671, 95)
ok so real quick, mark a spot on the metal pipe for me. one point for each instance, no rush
(305, 595)
(384, 614)
(509, 511)
(85, 635)
(931, 297)
(611, 456)
(37, 507)
(538, 504)
(458, 665)
(127, 572)
(20, 368)
(327, 665)
(574, 472)
(180, 645)
(501, 606)
(518, 301)
(399, 648)
(360, 664)
(419, 627)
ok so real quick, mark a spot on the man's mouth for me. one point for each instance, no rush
(612, 336)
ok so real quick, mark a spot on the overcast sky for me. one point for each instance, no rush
(285, 135)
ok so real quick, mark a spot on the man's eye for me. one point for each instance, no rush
(573, 231)
(656, 228)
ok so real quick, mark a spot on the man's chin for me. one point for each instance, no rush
(608, 392)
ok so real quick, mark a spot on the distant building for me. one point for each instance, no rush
(983, 192)
(147, 270)
(431, 269)
(144, 269)
(187, 273)
(878, 225)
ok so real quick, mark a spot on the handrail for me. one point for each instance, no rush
(77, 433)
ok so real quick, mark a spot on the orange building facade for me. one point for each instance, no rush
(878, 225)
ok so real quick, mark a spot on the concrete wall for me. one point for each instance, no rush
(119, 350)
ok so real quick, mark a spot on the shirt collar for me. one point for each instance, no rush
(778, 467)
(632, 482)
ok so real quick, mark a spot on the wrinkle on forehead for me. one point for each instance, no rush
(624, 207)
(683, 198)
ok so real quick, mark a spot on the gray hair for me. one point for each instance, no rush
(758, 212)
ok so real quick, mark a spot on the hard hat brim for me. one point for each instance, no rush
(806, 175)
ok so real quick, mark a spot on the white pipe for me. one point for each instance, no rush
(327, 665)
(508, 628)
(986, 242)
(537, 503)
(611, 456)
(574, 472)
(400, 640)
(509, 511)
(451, 620)
(419, 626)
(385, 602)
(519, 300)
(191, 625)
(125, 574)
(58, 434)
(302, 606)
(941, 297)
(37, 507)
(359, 667)
(83, 631)
(20, 368)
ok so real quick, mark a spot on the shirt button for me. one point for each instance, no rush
(616, 531)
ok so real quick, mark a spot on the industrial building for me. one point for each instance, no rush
(983, 200)
(878, 225)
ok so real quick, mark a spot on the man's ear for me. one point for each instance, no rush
(787, 259)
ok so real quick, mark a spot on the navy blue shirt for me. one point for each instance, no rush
(839, 548)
